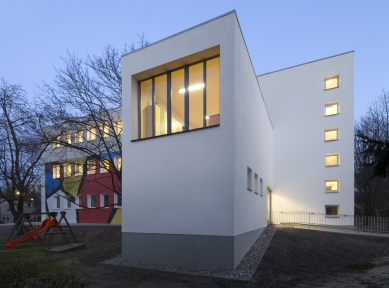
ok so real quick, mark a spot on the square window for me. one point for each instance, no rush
(331, 109)
(91, 133)
(256, 183)
(56, 202)
(91, 167)
(331, 134)
(68, 137)
(118, 162)
(78, 169)
(332, 185)
(261, 187)
(79, 136)
(118, 200)
(104, 200)
(332, 210)
(56, 171)
(332, 159)
(91, 201)
(249, 179)
(79, 202)
(104, 165)
(104, 129)
(67, 170)
(56, 141)
(331, 82)
(118, 126)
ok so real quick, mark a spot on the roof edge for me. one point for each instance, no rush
(352, 51)
(181, 32)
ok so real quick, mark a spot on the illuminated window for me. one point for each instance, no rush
(331, 109)
(118, 162)
(56, 171)
(56, 141)
(104, 200)
(104, 129)
(118, 126)
(331, 82)
(331, 134)
(256, 183)
(91, 133)
(331, 159)
(68, 137)
(332, 210)
(249, 179)
(104, 165)
(67, 170)
(78, 137)
(79, 169)
(181, 100)
(91, 167)
(332, 185)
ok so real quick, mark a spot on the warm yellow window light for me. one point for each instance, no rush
(332, 82)
(207, 117)
(330, 135)
(331, 109)
(332, 185)
(192, 88)
(332, 160)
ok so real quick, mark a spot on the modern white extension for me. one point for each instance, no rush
(205, 141)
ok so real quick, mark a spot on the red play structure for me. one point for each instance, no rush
(24, 223)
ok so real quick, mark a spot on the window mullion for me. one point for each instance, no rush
(204, 94)
(186, 83)
(169, 103)
(153, 107)
(139, 116)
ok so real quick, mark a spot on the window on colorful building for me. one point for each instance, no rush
(118, 162)
(91, 167)
(118, 126)
(91, 201)
(91, 133)
(79, 136)
(56, 171)
(79, 168)
(104, 129)
(67, 170)
(104, 200)
(56, 141)
(104, 165)
(79, 202)
(68, 137)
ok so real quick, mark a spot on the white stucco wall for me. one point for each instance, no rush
(195, 182)
(295, 99)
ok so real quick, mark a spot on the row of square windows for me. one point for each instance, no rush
(250, 182)
(91, 201)
(77, 169)
(90, 133)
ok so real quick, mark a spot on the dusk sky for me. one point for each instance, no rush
(279, 34)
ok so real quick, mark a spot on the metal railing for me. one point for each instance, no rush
(322, 221)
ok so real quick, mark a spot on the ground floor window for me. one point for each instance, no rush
(332, 210)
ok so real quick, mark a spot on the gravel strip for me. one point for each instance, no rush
(244, 271)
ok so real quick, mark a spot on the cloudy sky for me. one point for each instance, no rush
(279, 34)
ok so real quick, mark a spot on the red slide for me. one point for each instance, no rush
(46, 224)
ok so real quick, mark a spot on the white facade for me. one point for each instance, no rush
(199, 198)
(295, 98)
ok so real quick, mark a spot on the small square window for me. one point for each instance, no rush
(56, 171)
(331, 159)
(118, 200)
(79, 136)
(67, 170)
(331, 134)
(68, 137)
(332, 210)
(332, 185)
(79, 169)
(91, 133)
(57, 141)
(91, 201)
(104, 129)
(79, 202)
(104, 165)
(260, 187)
(57, 202)
(104, 200)
(91, 167)
(331, 82)
(118, 126)
(249, 179)
(331, 109)
(256, 183)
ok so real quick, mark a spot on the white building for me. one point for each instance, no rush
(205, 140)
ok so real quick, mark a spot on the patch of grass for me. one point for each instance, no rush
(360, 266)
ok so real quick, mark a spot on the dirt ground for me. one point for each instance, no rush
(294, 258)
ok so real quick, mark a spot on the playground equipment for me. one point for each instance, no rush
(24, 223)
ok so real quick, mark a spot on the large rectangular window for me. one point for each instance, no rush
(180, 100)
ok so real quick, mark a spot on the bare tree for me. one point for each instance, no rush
(20, 147)
(372, 158)
(84, 109)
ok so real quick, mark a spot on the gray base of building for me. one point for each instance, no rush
(191, 251)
